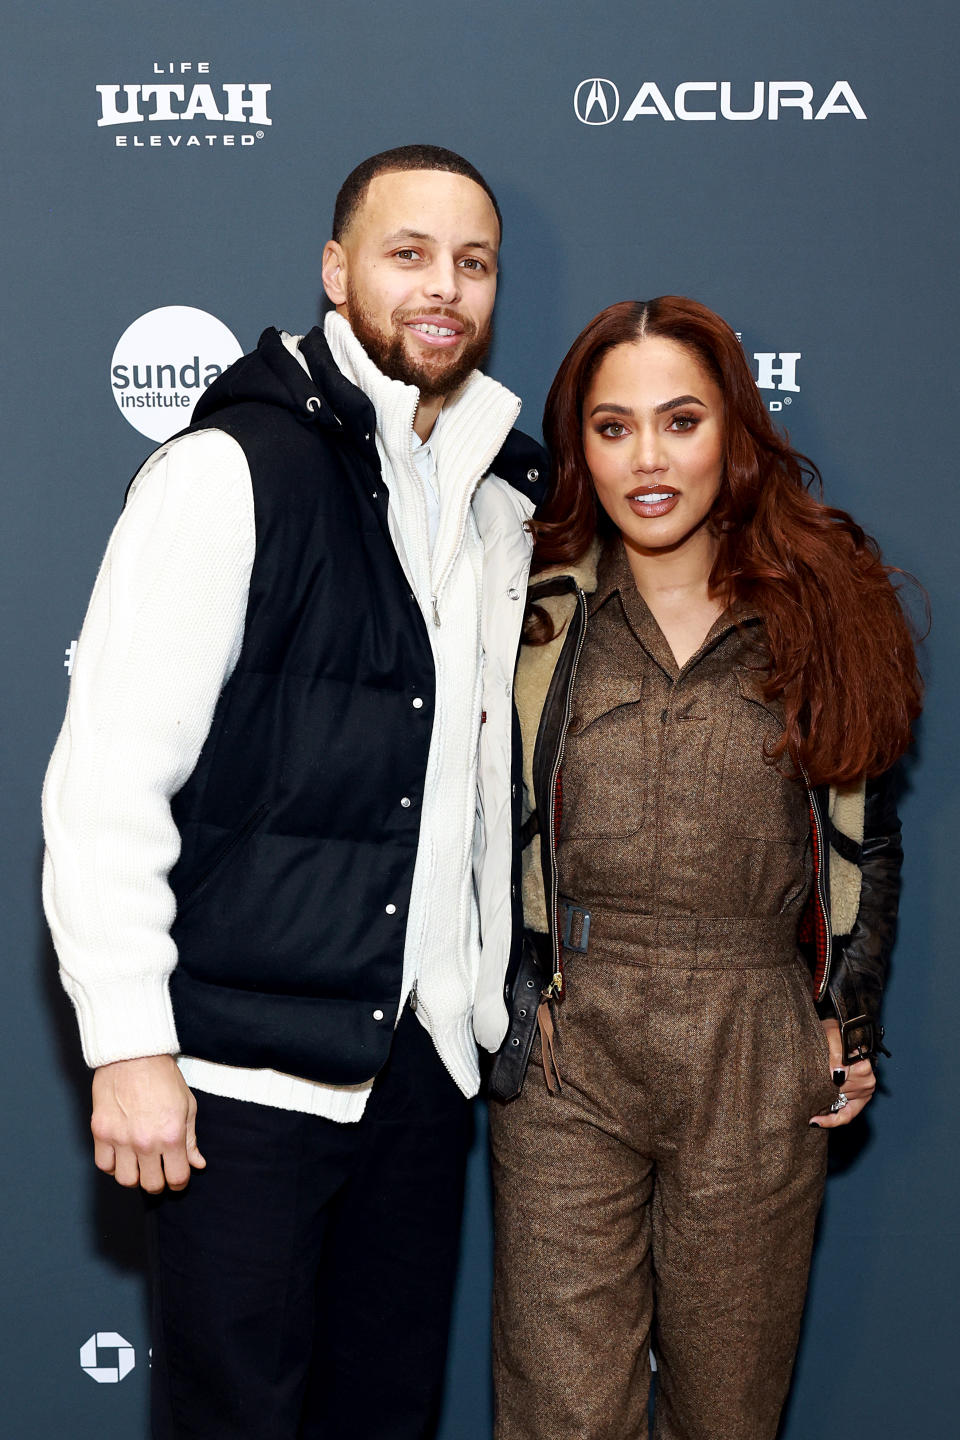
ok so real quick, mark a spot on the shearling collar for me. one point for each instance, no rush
(582, 572)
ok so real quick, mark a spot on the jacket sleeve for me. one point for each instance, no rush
(161, 637)
(860, 959)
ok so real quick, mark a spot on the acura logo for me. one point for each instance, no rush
(596, 101)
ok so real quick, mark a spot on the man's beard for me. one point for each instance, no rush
(435, 376)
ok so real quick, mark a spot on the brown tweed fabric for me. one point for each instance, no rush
(669, 1194)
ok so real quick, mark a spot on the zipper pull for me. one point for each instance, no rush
(554, 990)
(412, 1001)
(436, 612)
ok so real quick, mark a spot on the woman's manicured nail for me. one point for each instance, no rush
(839, 1076)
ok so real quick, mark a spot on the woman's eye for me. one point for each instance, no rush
(684, 422)
(614, 429)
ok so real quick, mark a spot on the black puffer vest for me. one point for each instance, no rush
(297, 860)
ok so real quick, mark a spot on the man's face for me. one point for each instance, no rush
(416, 276)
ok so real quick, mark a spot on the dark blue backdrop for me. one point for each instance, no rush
(831, 239)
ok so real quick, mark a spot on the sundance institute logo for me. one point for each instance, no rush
(163, 363)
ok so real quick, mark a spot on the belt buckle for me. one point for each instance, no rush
(576, 927)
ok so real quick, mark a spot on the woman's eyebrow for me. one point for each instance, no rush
(680, 400)
(615, 409)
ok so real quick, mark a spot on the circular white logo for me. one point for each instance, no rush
(120, 1351)
(596, 101)
(163, 363)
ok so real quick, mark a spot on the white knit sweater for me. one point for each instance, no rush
(160, 640)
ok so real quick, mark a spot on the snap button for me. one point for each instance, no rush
(533, 474)
(529, 984)
(314, 403)
(391, 909)
(417, 703)
(513, 593)
(522, 1014)
(378, 1014)
(406, 802)
(515, 1041)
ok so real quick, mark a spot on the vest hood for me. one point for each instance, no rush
(270, 375)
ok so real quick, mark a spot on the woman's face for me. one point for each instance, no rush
(653, 440)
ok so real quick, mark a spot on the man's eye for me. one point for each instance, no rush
(406, 254)
(470, 262)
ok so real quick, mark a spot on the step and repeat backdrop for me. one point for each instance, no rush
(170, 174)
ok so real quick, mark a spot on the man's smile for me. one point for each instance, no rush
(437, 331)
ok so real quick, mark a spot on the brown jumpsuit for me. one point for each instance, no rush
(667, 1197)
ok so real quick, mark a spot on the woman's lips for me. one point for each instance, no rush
(657, 500)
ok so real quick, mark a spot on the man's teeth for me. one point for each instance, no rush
(433, 330)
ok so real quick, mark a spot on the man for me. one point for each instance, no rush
(279, 821)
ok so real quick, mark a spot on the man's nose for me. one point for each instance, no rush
(442, 281)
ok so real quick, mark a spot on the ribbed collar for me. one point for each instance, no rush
(476, 419)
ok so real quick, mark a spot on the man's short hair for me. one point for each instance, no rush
(404, 157)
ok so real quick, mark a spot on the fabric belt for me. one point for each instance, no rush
(692, 942)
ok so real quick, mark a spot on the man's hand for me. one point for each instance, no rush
(858, 1081)
(144, 1123)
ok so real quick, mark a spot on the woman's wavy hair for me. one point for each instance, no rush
(841, 656)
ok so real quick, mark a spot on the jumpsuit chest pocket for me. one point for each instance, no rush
(605, 760)
(755, 798)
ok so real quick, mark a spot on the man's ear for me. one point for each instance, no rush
(333, 271)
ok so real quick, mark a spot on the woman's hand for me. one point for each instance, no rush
(858, 1084)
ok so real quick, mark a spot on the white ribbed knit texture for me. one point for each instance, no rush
(162, 634)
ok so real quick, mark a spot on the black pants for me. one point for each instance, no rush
(302, 1283)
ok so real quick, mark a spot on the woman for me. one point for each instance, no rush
(716, 679)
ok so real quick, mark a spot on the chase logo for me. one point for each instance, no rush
(596, 102)
(118, 1350)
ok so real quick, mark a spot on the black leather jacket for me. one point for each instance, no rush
(848, 972)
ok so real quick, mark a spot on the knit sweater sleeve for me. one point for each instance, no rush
(161, 638)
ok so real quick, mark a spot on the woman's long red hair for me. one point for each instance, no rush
(841, 653)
